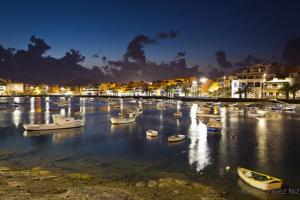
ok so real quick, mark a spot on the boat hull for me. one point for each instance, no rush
(118, 120)
(213, 130)
(152, 133)
(177, 138)
(271, 184)
(53, 126)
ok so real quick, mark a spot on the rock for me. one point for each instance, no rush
(196, 185)
(161, 185)
(152, 183)
(36, 169)
(15, 184)
(181, 182)
(140, 184)
(166, 180)
(4, 169)
(81, 176)
(176, 192)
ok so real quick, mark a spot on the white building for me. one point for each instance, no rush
(253, 76)
(3, 87)
(15, 88)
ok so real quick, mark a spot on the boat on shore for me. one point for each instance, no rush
(259, 180)
(151, 133)
(176, 138)
(123, 118)
(59, 122)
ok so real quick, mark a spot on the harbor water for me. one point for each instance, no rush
(113, 151)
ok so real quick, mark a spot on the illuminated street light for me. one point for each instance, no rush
(203, 80)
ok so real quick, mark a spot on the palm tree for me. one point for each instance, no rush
(186, 90)
(147, 90)
(247, 89)
(294, 89)
(169, 90)
(239, 91)
(286, 88)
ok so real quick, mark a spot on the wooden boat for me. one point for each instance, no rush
(152, 133)
(176, 138)
(259, 180)
(178, 114)
(214, 126)
(256, 113)
(138, 111)
(206, 114)
(123, 118)
(59, 122)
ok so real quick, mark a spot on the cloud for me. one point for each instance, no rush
(180, 54)
(222, 60)
(291, 52)
(95, 56)
(165, 35)
(30, 66)
(135, 48)
(250, 60)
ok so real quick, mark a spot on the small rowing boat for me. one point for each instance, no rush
(176, 138)
(152, 133)
(214, 126)
(178, 114)
(259, 180)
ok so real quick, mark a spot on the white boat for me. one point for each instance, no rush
(205, 114)
(256, 113)
(59, 122)
(178, 114)
(138, 111)
(214, 126)
(161, 106)
(259, 180)
(123, 118)
(152, 133)
(176, 138)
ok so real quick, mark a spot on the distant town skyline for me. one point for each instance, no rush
(199, 34)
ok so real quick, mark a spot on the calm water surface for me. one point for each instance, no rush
(269, 146)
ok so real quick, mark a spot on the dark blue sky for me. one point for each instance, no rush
(238, 27)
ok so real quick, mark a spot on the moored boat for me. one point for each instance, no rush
(259, 180)
(123, 118)
(256, 113)
(178, 114)
(151, 133)
(59, 122)
(176, 138)
(201, 113)
(214, 126)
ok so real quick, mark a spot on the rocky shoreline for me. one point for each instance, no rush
(40, 183)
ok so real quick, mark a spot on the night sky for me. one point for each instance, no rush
(261, 28)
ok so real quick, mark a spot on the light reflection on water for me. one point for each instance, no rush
(16, 117)
(198, 155)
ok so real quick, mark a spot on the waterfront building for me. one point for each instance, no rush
(253, 76)
(271, 88)
(3, 87)
(90, 89)
(15, 88)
